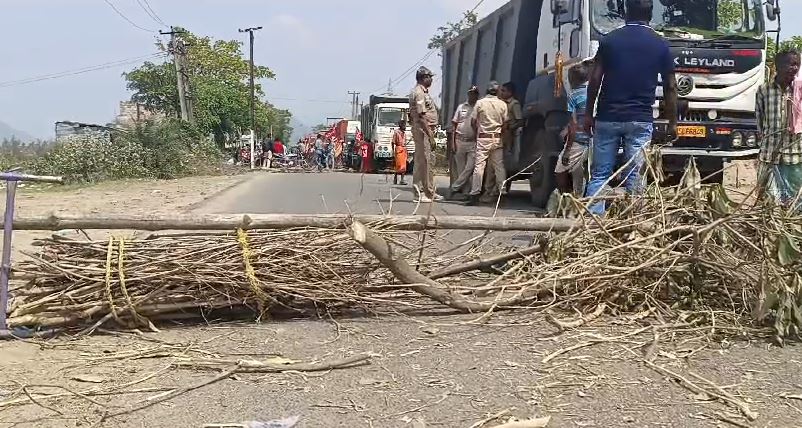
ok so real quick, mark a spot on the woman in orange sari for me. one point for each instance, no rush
(400, 150)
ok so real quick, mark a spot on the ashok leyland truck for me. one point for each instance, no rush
(379, 121)
(719, 49)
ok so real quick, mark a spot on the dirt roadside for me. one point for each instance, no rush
(425, 371)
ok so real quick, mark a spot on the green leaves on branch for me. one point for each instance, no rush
(218, 76)
(452, 30)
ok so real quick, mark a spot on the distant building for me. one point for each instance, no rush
(132, 113)
(65, 129)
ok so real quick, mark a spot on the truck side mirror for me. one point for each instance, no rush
(772, 10)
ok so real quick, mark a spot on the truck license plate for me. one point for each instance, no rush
(692, 131)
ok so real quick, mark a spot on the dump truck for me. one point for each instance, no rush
(719, 49)
(379, 121)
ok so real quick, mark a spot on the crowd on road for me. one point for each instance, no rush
(610, 100)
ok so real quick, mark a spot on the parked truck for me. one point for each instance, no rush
(719, 49)
(379, 121)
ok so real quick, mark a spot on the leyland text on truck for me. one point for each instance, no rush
(719, 49)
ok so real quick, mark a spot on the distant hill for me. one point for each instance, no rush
(6, 132)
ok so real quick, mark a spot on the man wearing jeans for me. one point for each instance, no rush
(629, 61)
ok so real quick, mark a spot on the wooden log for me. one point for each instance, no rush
(289, 221)
(426, 286)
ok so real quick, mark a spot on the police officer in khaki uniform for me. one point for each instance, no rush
(423, 114)
(489, 116)
(464, 140)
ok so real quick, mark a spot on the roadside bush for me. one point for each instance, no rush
(172, 149)
(165, 150)
(92, 158)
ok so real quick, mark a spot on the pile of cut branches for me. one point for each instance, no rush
(691, 253)
(130, 281)
(687, 254)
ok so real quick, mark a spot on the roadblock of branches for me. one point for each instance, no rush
(688, 256)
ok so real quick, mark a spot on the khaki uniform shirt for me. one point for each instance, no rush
(515, 115)
(462, 117)
(420, 102)
(490, 113)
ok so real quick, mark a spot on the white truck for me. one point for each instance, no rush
(719, 49)
(379, 121)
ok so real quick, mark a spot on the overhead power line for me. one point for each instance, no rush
(420, 62)
(122, 15)
(152, 13)
(74, 72)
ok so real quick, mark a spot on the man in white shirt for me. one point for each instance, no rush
(464, 143)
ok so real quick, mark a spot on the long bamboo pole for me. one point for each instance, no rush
(288, 221)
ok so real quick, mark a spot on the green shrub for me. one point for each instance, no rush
(92, 158)
(165, 149)
(172, 149)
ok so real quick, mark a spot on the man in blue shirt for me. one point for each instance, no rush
(629, 61)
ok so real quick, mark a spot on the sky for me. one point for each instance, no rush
(319, 49)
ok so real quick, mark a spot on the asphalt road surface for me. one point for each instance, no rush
(342, 193)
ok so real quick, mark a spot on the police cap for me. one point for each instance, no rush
(423, 72)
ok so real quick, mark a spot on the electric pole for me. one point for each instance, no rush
(179, 50)
(354, 103)
(389, 87)
(253, 90)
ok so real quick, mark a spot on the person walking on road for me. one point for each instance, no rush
(464, 143)
(366, 153)
(267, 153)
(488, 119)
(400, 152)
(780, 172)
(629, 61)
(423, 114)
(319, 152)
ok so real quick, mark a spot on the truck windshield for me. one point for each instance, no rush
(726, 20)
(389, 116)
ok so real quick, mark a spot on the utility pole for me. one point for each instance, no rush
(253, 90)
(179, 50)
(354, 102)
(389, 87)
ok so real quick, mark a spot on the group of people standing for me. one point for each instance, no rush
(623, 81)
(482, 130)
(272, 148)
(629, 62)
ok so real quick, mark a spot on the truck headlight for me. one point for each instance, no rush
(751, 139)
(737, 139)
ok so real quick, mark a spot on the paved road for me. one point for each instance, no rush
(335, 192)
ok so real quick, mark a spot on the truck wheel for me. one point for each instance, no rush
(542, 181)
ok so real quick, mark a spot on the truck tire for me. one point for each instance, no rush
(542, 182)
